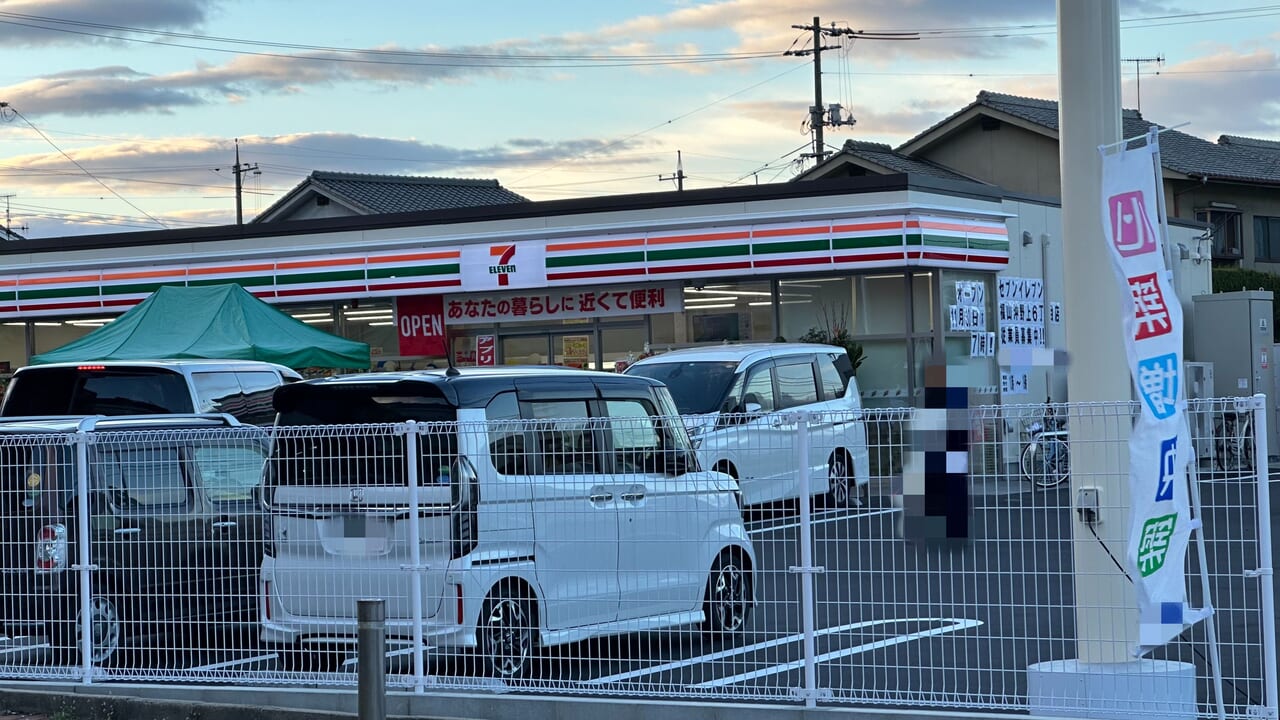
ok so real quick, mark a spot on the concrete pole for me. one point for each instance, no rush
(1089, 116)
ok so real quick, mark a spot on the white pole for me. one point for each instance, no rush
(1089, 116)
(86, 566)
(411, 444)
(1264, 570)
(806, 568)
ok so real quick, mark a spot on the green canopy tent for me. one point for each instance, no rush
(213, 321)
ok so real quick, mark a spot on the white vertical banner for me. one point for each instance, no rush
(1160, 446)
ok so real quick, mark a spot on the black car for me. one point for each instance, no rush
(173, 523)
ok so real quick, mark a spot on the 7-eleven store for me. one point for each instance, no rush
(591, 283)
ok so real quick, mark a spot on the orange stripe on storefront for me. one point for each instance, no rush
(788, 232)
(963, 227)
(413, 257)
(702, 237)
(298, 264)
(874, 226)
(59, 280)
(221, 269)
(594, 244)
(143, 274)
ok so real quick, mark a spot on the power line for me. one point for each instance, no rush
(72, 160)
(512, 60)
(663, 124)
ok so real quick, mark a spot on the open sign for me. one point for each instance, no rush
(420, 325)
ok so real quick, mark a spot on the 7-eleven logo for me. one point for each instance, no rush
(504, 268)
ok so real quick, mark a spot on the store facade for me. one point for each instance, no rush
(592, 284)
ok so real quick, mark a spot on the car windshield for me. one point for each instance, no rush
(697, 387)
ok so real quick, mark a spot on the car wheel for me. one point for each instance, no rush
(728, 600)
(506, 635)
(839, 481)
(107, 624)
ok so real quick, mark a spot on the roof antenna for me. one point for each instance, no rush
(448, 354)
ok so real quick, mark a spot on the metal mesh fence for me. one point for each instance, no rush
(609, 551)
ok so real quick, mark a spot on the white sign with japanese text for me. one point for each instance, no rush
(1160, 443)
(1020, 304)
(982, 344)
(562, 303)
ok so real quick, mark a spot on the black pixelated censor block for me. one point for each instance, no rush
(935, 484)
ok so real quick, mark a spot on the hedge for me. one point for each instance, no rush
(1230, 279)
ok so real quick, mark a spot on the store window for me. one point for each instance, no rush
(729, 311)
(372, 322)
(814, 304)
(880, 306)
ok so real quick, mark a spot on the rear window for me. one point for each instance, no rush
(104, 391)
(698, 387)
(311, 448)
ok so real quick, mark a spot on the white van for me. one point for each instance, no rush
(735, 400)
(556, 505)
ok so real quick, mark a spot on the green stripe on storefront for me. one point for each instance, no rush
(792, 246)
(985, 244)
(137, 288)
(414, 271)
(320, 277)
(866, 241)
(700, 252)
(945, 241)
(246, 281)
(8, 295)
(54, 293)
(559, 261)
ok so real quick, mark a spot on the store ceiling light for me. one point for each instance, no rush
(304, 316)
(709, 307)
(314, 321)
(758, 293)
(715, 298)
(382, 324)
(379, 312)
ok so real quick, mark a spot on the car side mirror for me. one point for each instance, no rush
(753, 408)
(678, 462)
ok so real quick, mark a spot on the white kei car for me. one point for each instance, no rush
(738, 403)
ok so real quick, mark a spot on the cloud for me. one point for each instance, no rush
(97, 91)
(38, 28)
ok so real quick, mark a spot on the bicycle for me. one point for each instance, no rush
(1233, 440)
(1046, 458)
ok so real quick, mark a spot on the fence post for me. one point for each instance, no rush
(371, 656)
(1264, 569)
(809, 691)
(84, 566)
(412, 445)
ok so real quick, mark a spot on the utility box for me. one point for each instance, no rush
(1233, 331)
(1199, 384)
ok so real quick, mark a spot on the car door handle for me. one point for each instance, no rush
(225, 524)
(602, 497)
(633, 497)
(128, 531)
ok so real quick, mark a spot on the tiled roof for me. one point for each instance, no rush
(1231, 158)
(885, 156)
(377, 194)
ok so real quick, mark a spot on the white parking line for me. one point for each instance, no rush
(730, 652)
(955, 626)
(823, 520)
(234, 663)
(23, 648)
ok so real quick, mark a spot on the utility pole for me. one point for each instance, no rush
(9, 233)
(821, 116)
(679, 176)
(1137, 71)
(238, 169)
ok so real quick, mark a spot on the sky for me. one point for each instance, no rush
(124, 115)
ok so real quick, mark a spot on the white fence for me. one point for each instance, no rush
(592, 556)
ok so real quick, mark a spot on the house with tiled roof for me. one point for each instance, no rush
(326, 194)
(1012, 142)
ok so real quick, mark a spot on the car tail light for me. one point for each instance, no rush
(268, 536)
(465, 510)
(91, 367)
(51, 548)
(458, 588)
(266, 599)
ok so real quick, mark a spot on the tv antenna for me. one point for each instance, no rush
(1137, 72)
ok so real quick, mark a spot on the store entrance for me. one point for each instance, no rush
(571, 349)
